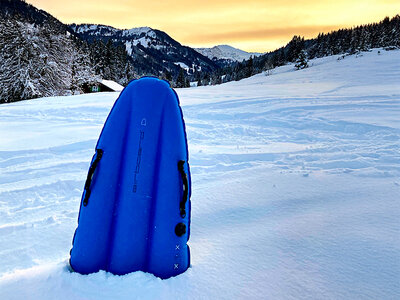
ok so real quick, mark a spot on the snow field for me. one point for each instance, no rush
(296, 188)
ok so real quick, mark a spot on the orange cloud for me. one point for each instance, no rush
(254, 25)
(262, 34)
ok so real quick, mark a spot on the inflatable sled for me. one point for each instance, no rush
(135, 208)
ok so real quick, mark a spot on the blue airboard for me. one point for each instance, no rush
(135, 208)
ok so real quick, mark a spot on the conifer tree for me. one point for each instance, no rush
(180, 81)
(301, 62)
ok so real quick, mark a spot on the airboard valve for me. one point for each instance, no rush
(180, 229)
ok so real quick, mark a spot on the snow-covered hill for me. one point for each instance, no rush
(226, 52)
(296, 188)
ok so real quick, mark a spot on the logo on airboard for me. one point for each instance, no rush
(139, 156)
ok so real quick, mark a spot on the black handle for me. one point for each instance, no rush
(93, 166)
(182, 204)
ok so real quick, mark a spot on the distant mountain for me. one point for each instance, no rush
(152, 51)
(226, 52)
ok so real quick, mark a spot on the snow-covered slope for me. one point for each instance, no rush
(296, 188)
(226, 52)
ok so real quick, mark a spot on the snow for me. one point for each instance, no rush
(128, 47)
(112, 85)
(144, 41)
(137, 31)
(296, 188)
(144, 36)
(159, 47)
(84, 28)
(105, 30)
(182, 65)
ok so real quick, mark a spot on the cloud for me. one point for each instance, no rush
(252, 23)
(259, 34)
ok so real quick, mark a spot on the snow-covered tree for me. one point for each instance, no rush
(82, 71)
(302, 61)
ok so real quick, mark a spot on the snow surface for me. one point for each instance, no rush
(296, 188)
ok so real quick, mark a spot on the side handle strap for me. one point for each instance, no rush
(93, 166)
(182, 204)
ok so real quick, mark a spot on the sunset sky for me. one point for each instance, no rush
(251, 25)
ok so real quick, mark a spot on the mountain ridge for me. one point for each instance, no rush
(226, 52)
(165, 53)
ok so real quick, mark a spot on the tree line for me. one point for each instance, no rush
(384, 34)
